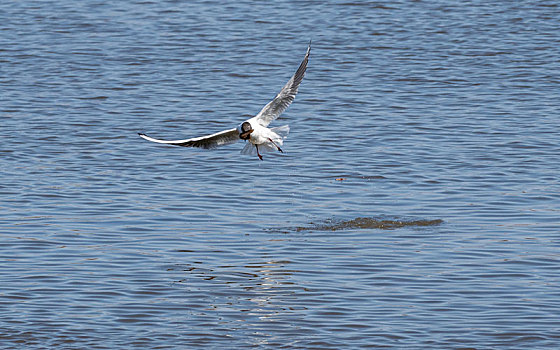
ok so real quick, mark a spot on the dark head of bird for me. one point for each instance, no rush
(245, 131)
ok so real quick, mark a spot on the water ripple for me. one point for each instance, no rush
(364, 223)
(411, 113)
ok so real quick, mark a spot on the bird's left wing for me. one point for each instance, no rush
(285, 97)
(211, 141)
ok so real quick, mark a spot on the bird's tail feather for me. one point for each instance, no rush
(281, 131)
(251, 149)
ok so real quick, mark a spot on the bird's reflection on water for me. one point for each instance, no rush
(263, 291)
(258, 283)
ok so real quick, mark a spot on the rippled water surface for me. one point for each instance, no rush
(417, 204)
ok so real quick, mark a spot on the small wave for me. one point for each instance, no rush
(367, 223)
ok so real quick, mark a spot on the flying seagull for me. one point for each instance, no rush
(254, 130)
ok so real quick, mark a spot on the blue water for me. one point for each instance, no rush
(417, 204)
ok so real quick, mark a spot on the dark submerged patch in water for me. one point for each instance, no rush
(367, 223)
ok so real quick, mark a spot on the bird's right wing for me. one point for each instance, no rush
(211, 141)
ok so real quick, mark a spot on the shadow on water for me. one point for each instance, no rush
(362, 223)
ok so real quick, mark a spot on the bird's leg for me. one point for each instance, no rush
(258, 154)
(280, 149)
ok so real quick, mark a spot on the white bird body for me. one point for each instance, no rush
(263, 134)
(263, 139)
(254, 130)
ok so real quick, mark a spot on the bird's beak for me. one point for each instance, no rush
(245, 135)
